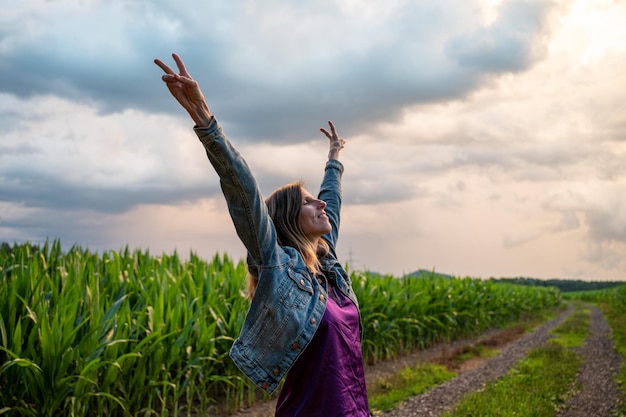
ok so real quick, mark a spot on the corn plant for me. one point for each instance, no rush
(127, 333)
(122, 333)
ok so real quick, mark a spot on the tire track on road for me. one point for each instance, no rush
(446, 395)
(599, 395)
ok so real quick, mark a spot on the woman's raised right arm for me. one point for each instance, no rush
(243, 197)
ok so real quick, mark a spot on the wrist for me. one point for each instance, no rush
(335, 147)
(201, 116)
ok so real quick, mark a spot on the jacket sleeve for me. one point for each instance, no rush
(331, 194)
(243, 197)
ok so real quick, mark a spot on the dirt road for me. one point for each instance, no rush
(599, 396)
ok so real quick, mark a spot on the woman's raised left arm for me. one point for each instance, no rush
(330, 191)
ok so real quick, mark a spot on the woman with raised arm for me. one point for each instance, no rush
(303, 321)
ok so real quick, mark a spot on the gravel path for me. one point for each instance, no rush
(599, 393)
(599, 396)
(446, 395)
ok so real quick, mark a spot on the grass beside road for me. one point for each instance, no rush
(387, 393)
(539, 384)
(390, 391)
(573, 332)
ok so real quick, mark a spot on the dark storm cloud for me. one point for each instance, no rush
(422, 52)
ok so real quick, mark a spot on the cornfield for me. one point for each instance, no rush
(401, 315)
(127, 333)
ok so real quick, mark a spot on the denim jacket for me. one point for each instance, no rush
(289, 301)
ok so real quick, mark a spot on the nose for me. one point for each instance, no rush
(321, 203)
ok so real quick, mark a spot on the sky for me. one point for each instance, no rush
(485, 138)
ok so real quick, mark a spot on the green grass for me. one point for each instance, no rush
(390, 391)
(473, 352)
(387, 393)
(539, 384)
(574, 331)
(536, 387)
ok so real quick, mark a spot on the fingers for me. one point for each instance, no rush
(164, 66)
(333, 131)
(181, 65)
(332, 128)
(179, 80)
(169, 71)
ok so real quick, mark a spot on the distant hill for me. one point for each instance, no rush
(564, 285)
(425, 273)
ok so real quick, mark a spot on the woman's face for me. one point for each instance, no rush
(313, 219)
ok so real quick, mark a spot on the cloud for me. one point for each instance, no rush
(607, 222)
(510, 44)
(74, 158)
(274, 69)
(603, 214)
(482, 135)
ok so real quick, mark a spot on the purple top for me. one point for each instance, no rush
(328, 379)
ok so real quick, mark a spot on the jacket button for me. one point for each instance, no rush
(301, 282)
(321, 297)
(312, 321)
(276, 371)
(265, 385)
(295, 346)
(319, 280)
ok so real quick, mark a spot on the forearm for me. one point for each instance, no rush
(243, 197)
(331, 194)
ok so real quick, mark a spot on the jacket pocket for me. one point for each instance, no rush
(296, 291)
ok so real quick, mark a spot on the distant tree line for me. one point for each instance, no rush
(564, 285)
(8, 248)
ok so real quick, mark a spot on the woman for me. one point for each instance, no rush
(303, 321)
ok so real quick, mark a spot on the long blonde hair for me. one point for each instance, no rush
(284, 206)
